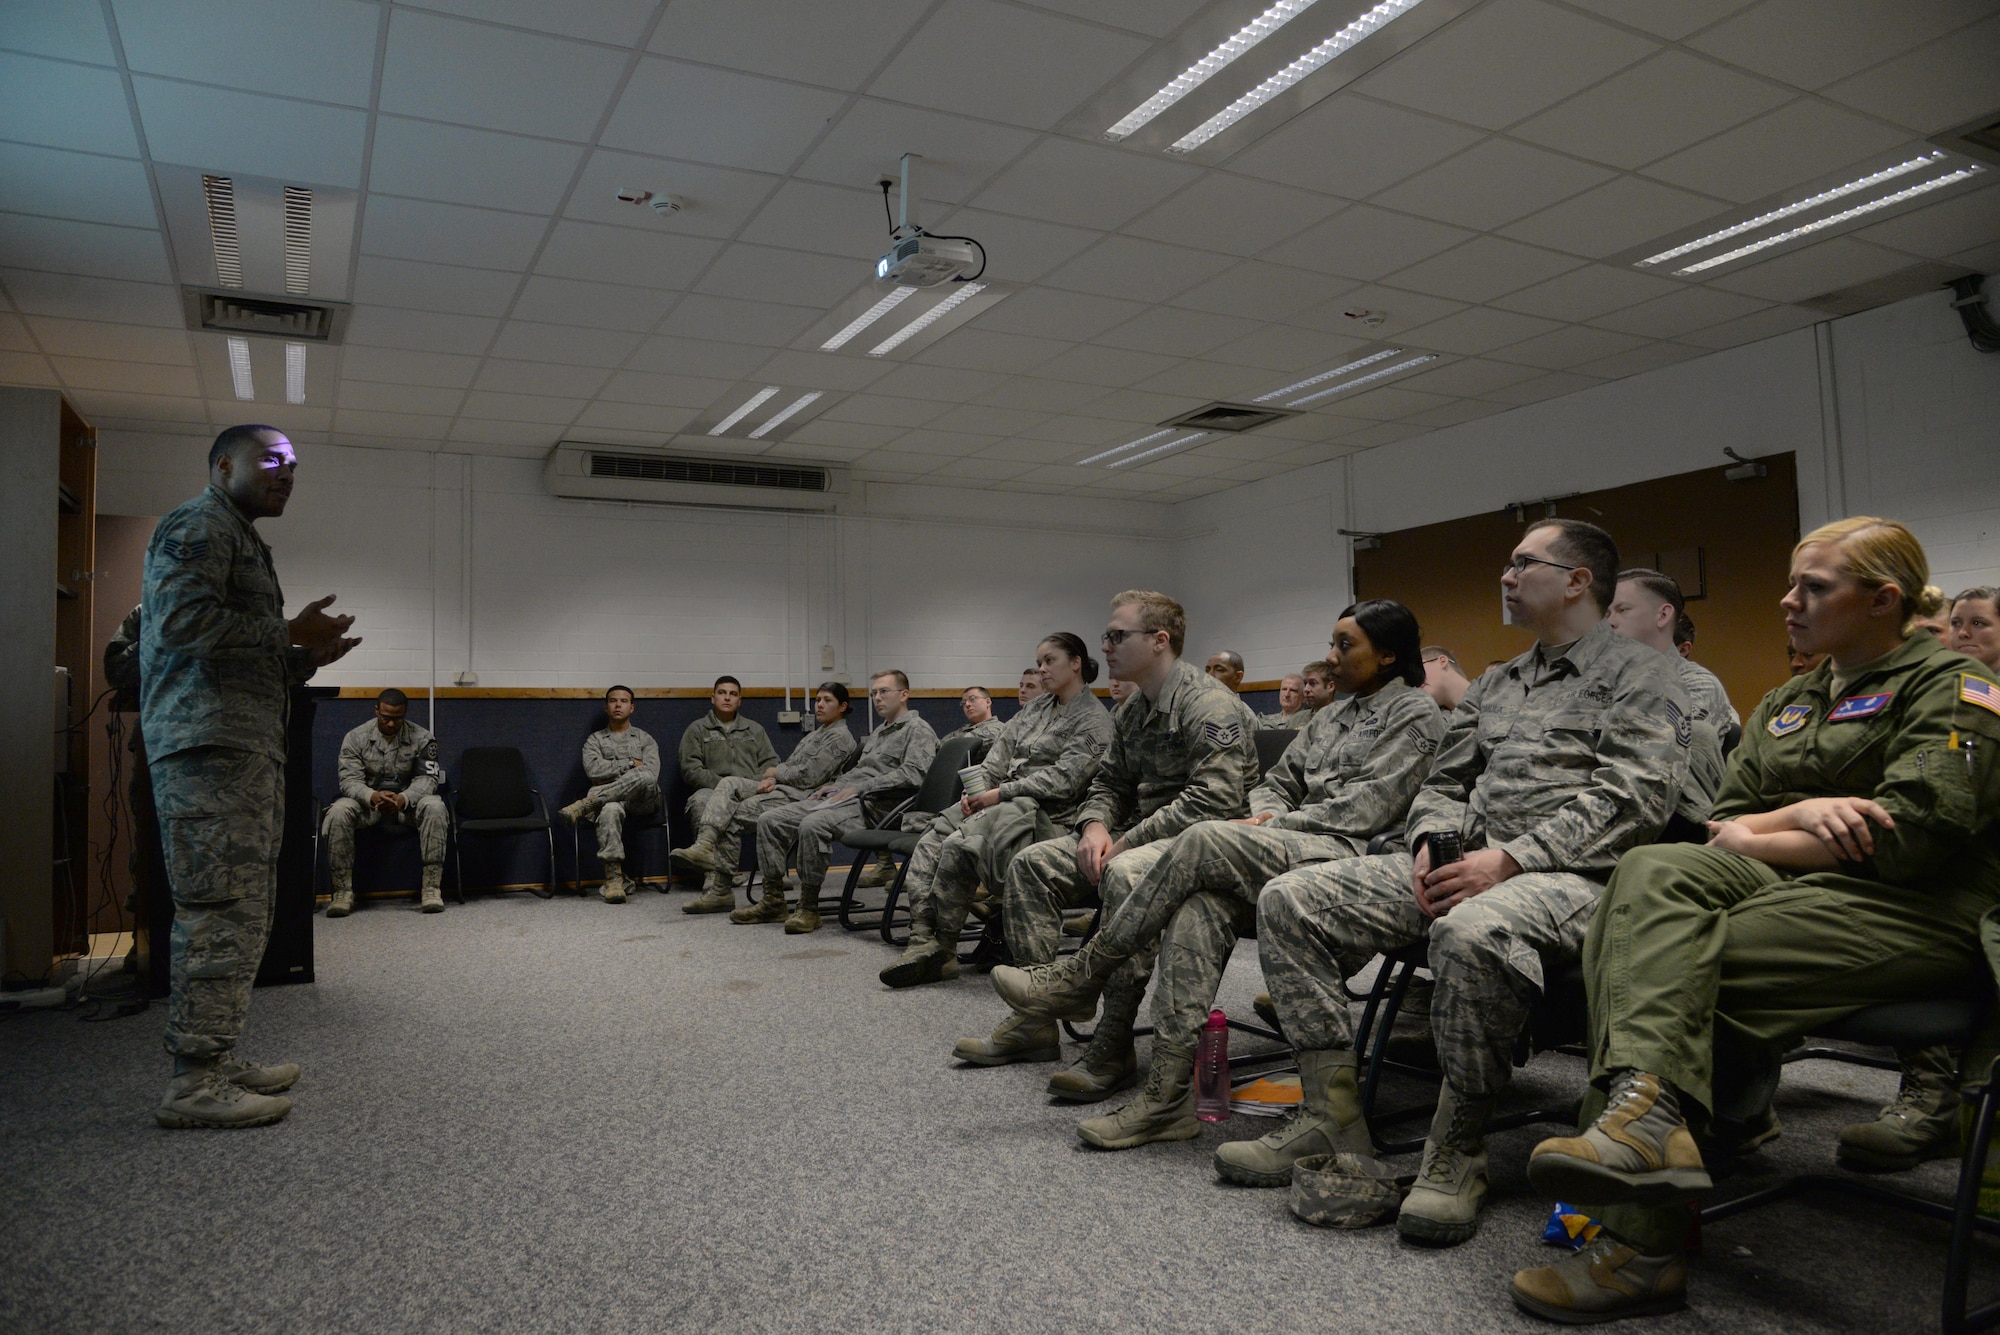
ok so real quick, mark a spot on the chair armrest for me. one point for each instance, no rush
(891, 816)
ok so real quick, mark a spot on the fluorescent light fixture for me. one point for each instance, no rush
(1382, 374)
(966, 292)
(1327, 375)
(1802, 206)
(295, 373)
(780, 417)
(298, 240)
(868, 317)
(1199, 73)
(1128, 445)
(750, 405)
(1161, 449)
(220, 192)
(1373, 21)
(1831, 220)
(239, 368)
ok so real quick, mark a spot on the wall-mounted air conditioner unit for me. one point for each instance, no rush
(634, 473)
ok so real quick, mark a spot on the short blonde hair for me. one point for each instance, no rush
(1157, 612)
(1881, 551)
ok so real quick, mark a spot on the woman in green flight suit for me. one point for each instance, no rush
(1851, 857)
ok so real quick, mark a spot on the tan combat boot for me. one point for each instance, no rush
(1921, 1124)
(1108, 1064)
(771, 908)
(203, 1098)
(1328, 1121)
(1605, 1281)
(1164, 1109)
(1443, 1206)
(700, 854)
(804, 918)
(924, 960)
(576, 810)
(614, 882)
(1063, 987)
(1639, 1151)
(257, 1079)
(343, 895)
(1018, 1039)
(718, 895)
(882, 871)
(432, 900)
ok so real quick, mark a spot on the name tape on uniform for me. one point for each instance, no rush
(1860, 706)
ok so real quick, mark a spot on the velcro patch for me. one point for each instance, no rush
(1860, 707)
(431, 749)
(1789, 720)
(188, 549)
(1425, 743)
(1979, 691)
(1683, 726)
(1222, 735)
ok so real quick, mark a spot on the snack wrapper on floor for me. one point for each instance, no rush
(1569, 1227)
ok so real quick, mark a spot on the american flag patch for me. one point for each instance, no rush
(1979, 691)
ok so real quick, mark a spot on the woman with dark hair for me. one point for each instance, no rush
(1027, 788)
(1348, 776)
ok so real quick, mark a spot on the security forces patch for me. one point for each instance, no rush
(191, 549)
(1790, 719)
(1683, 725)
(1859, 707)
(1222, 734)
(1979, 691)
(430, 758)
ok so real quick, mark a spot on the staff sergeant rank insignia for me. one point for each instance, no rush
(1221, 735)
(1790, 719)
(1860, 706)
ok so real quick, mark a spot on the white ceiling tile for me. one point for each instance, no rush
(65, 106)
(1285, 348)
(1155, 18)
(394, 426)
(822, 370)
(1051, 396)
(959, 155)
(1492, 183)
(1650, 357)
(1470, 376)
(812, 41)
(1942, 230)
(1400, 310)
(1671, 19)
(65, 29)
(1029, 69)
(1570, 346)
(1461, 410)
(1934, 87)
(719, 116)
(14, 336)
(1767, 323)
(715, 200)
(1582, 294)
(851, 439)
(1824, 267)
(1553, 385)
(1137, 270)
(1108, 367)
(498, 407)
(26, 368)
(1679, 312)
(111, 342)
(1233, 214)
(1383, 433)
(416, 229)
(1053, 313)
(371, 396)
(1478, 330)
(731, 321)
(1653, 109)
(1811, 43)
(1089, 185)
(982, 470)
(763, 273)
(1204, 379)
(83, 298)
(1492, 66)
(895, 465)
(1608, 219)
(132, 253)
(1352, 146)
(698, 356)
(982, 419)
(474, 74)
(884, 411)
(175, 414)
(564, 344)
(619, 22)
(58, 184)
(320, 50)
(1483, 268)
(400, 366)
(1057, 439)
(1176, 332)
(829, 220)
(127, 377)
(221, 130)
(515, 438)
(949, 444)
(652, 419)
(1365, 242)
(677, 391)
(422, 331)
(1263, 291)
(1388, 403)
(624, 255)
(538, 378)
(1018, 250)
(948, 384)
(379, 281)
(461, 165)
(599, 305)
(981, 349)
(1137, 405)
(1795, 143)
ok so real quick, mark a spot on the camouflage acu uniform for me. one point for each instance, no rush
(983, 736)
(1296, 721)
(712, 751)
(1712, 715)
(216, 669)
(1042, 765)
(618, 787)
(1705, 690)
(892, 765)
(734, 804)
(1564, 760)
(371, 763)
(1186, 757)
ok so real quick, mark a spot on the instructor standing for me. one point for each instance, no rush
(218, 661)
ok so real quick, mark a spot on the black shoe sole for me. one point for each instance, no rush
(1124, 1081)
(1433, 1233)
(1562, 1178)
(1250, 1177)
(915, 973)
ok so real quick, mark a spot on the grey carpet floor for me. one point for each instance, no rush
(566, 1116)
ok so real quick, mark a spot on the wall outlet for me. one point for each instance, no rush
(826, 658)
(790, 716)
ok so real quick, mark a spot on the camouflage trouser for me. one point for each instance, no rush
(1318, 927)
(1044, 881)
(804, 831)
(634, 794)
(222, 815)
(951, 862)
(346, 815)
(1194, 904)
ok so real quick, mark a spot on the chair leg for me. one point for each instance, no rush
(550, 832)
(1964, 1221)
(846, 913)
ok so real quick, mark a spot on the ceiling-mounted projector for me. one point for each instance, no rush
(926, 261)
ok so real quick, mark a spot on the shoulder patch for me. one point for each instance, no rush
(1789, 720)
(1683, 725)
(1979, 691)
(1222, 735)
(431, 749)
(184, 549)
(1860, 707)
(1425, 743)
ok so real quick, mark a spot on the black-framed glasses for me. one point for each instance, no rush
(1113, 637)
(1519, 564)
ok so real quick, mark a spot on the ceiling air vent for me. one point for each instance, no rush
(711, 472)
(264, 317)
(1978, 138)
(605, 473)
(1230, 417)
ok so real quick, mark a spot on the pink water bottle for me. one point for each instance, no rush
(1211, 1070)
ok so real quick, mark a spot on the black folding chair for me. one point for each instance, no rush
(494, 797)
(636, 828)
(1273, 743)
(939, 789)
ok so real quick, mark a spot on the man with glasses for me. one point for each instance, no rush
(1551, 767)
(892, 765)
(1183, 751)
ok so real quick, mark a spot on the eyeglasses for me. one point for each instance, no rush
(1114, 637)
(1519, 564)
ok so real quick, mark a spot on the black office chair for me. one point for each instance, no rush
(1271, 744)
(386, 830)
(939, 789)
(636, 827)
(494, 797)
